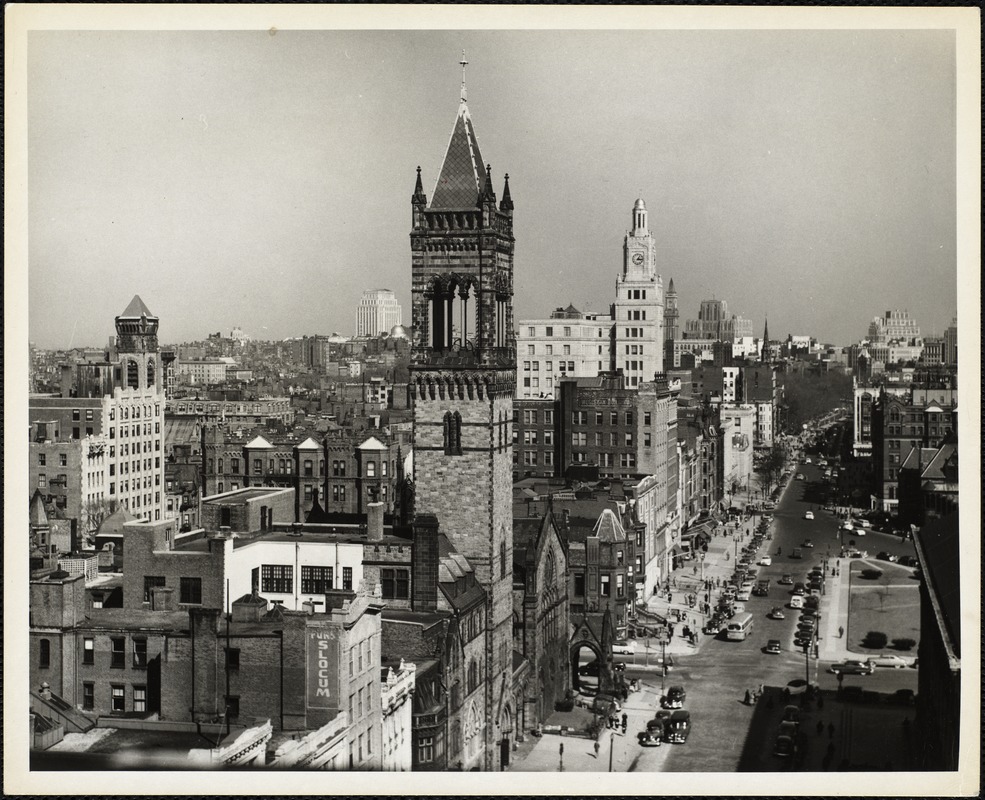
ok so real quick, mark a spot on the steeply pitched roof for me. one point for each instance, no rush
(114, 522)
(608, 528)
(38, 517)
(462, 174)
(137, 309)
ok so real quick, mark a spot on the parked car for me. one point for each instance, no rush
(674, 698)
(888, 660)
(678, 728)
(791, 713)
(799, 589)
(650, 738)
(591, 668)
(797, 601)
(800, 476)
(744, 595)
(808, 515)
(852, 667)
(859, 531)
(908, 561)
(776, 613)
(624, 648)
(784, 746)
(773, 646)
(884, 556)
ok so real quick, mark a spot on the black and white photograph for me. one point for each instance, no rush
(519, 390)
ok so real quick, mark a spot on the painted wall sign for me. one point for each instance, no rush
(323, 668)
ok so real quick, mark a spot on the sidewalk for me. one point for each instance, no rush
(718, 564)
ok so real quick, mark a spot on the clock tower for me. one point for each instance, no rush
(463, 381)
(639, 308)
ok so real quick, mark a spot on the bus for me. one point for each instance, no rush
(738, 629)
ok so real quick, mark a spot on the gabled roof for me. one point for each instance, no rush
(372, 443)
(38, 517)
(940, 460)
(462, 173)
(136, 309)
(309, 444)
(259, 441)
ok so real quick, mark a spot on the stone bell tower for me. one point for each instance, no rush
(463, 380)
(136, 344)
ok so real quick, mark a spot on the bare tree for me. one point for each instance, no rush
(94, 513)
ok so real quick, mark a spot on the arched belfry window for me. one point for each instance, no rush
(150, 373)
(452, 428)
(133, 374)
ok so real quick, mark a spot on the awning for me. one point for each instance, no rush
(676, 550)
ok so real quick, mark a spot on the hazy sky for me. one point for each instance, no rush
(264, 180)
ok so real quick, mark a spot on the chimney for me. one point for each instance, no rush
(161, 599)
(45, 691)
(425, 563)
(374, 521)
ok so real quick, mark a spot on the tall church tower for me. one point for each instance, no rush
(463, 381)
(638, 312)
(136, 344)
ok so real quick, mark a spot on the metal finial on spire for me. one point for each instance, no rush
(464, 64)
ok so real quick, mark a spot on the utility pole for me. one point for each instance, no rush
(560, 752)
(612, 745)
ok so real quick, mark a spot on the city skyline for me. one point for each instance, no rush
(156, 156)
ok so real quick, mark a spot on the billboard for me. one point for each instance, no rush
(322, 659)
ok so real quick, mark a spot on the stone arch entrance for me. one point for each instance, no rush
(587, 666)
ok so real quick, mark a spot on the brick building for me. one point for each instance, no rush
(535, 438)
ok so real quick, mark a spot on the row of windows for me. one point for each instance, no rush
(118, 652)
(580, 439)
(581, 418)
(562, 366)
(531, 437)
(125, 412)
(118, 698)
(604, 585)
(626, 460)
(530, 458)
(43, 460)
(530, 416)
(548, 331)
(279, 579)
(636, 314)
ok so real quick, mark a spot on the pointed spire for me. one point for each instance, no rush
(506, 204)
(670, 289)
(459, 183)
(488, 193)
(137, 309)
(419, 196)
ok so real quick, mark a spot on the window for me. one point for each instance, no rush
(140, 699)
(425, 750)
(42, 481)
(232, 708)
(316, 580)
(548, 331)
(629, 417)
(257, 466)
(234, 465)
(119, 699)
(232, 657)
(549, 437)
(396, 584)
(613, 417)
(118, 652)
(566, 349)
(191, 591)
(370, 469)
(629, 440)
(579, 417)
(620, 586)
(277, 578)
(606, 589)
(309, 468)
(76, 415)
(530, 350)
(502, 559)
(646, 439)
(42, 460)
(44, 653)
(88, 696)
(579, 438)
(579, 585)
(338, 469)
(140, 653)
(88, 651)
(347, 578)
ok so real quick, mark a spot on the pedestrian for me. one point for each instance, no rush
(748, 698)
(625, 720)
(762, 689)
(597, 748)
(841, 632)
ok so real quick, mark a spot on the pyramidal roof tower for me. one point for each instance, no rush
(462, 175)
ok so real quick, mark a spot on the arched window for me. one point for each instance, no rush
(150, 373)
(133, 374)
(473, 677)
(549, 570)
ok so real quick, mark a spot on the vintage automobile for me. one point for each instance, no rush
(852, 667)
(674, 698)
(678, 728)
(773, 646)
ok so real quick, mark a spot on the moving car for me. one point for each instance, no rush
(797, 601)
(847, 525)
(852, 667)
(859, 531)
(785, 745)
(776, 613)
(786, 580)
(799, 589)
(807, 461)
(591, 668)
(797, 553)
(674, 698)
(808, 515)
(762, 588)
(766, 561)
(884, 556)
(744, 595)
(800, 476)
(624, 648)
(773, 646)
(888, 660)
(807, 543)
